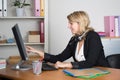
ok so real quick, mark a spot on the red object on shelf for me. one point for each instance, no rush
(42, 31)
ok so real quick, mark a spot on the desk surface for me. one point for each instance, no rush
(53, 75)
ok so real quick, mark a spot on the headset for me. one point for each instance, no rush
(79, 37)
(82, 36)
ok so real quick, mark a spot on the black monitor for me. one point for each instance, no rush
(21, 48)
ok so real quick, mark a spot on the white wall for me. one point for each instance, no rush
(59, 34)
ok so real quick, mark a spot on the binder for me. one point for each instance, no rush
(42, 31)
(119, 25)
(37, 7)
(4, 8)
(109, 24)
(1, 8)
(116, 26)
(42, 3)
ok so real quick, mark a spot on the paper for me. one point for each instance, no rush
(85, 73)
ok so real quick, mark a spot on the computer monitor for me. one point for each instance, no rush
(21, 48)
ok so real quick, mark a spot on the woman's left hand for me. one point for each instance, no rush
(59, 64)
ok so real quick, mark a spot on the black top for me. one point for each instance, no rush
(93, 52)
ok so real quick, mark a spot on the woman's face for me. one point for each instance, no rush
(74, 27)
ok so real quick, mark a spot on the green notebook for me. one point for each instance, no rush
(85, 73)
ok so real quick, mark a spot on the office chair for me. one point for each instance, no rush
(114, 60)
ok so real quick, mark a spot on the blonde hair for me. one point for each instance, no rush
(82, 18)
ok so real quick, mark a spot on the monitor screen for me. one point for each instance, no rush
(21, 48)
(19, 42)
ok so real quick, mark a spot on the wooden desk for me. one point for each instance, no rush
(53, 75)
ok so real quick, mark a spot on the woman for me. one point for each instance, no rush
(85, 45)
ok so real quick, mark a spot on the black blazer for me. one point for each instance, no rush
(93, 51)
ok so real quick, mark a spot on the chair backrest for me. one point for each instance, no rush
(114, 60)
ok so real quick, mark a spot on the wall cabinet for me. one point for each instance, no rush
(26, 23)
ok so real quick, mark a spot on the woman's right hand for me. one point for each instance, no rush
(40, 53)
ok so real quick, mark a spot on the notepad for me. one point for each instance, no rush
(85, 73)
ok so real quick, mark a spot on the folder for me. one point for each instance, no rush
(1, 8)
(109, 24)
(4, 8)
(119, 25)
(42, 31)
(37, 7)
(116, 26)
(87, 73)
(42, 5)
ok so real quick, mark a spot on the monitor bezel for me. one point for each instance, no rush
(19, 42)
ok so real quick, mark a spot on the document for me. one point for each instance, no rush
(85, 73)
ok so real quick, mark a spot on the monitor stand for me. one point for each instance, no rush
(21, 66)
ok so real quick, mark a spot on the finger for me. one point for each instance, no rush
(56, 66)
(28, 47)
(58, 62)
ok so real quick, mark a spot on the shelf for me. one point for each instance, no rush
(25, 17)
(29, 22)
(13, 44)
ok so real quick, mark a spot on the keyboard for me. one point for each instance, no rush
(47, 67)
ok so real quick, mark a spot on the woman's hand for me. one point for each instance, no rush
(40, 53)
(59, 64)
